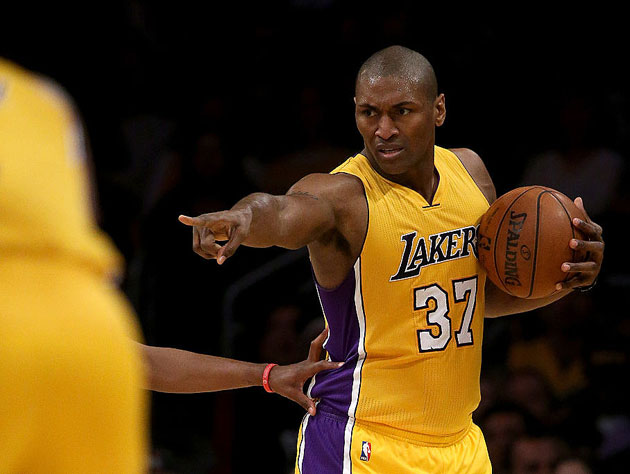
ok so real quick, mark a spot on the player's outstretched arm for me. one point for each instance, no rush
(581, 274)
(178, 371)
(262, 220)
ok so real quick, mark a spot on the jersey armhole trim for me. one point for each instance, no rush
(367, 228)
(367, 205)
(461, 163)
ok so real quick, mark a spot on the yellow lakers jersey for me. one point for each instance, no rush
(45, 204)
(70, 372)
(408, 320)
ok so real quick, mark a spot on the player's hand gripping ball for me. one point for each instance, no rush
(524, 239)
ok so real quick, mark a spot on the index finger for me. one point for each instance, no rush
(324, 365)
(315, 351)
(191, 221)
(206, 220)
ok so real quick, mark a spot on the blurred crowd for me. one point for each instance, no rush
(190, 109)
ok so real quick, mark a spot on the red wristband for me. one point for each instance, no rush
(266, 377)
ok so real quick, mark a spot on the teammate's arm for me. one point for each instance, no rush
(500, 303)
(177, 371)
(262, 220)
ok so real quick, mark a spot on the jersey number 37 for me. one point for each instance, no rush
(436, 298)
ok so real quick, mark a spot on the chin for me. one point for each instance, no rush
(393, 167)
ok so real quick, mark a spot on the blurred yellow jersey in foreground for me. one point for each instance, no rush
(70, 377)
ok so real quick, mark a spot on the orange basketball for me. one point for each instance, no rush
(524, 239)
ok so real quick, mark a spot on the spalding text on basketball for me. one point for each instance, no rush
(511, 250)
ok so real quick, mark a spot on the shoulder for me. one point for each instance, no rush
(478, 171)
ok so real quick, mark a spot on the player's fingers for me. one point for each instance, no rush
(211, 220)
(196, 239)
(197, 247)
(587, 245)
(580, 267)
(315, 351)
(305, 402)
(236, 238)
(208, 245)
(191, 221)
(312, 408)
(213, 250)
(206, 238)
(579, 202)
(578, 281)
(591, 229)
(322, 365)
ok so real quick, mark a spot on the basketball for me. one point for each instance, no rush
(524, 239)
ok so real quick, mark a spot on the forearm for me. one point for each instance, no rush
(264, 211)
(178, 371)
(499, 303)
(289, 221)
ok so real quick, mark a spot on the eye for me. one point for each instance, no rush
(368, 112)
(403, 111)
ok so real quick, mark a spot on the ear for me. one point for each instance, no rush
(440, 110)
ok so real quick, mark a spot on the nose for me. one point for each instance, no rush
(386, 128)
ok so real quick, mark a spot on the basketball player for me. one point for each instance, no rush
(71, 375)
(71, 397)
(391, 237)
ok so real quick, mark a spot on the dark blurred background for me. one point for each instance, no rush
(190, 106)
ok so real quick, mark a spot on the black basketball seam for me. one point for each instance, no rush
(572, 230)
(533, 275)
(507, 210)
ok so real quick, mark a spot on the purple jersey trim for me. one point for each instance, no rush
(334, 388)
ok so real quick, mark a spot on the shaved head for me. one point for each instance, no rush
(403, 63)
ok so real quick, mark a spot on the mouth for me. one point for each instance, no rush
(389, 152)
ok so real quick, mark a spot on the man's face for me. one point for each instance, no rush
(397, 121)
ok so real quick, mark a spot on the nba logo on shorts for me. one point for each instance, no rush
(366, 451)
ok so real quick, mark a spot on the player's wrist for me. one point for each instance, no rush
(265, 377)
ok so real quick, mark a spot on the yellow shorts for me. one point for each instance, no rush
(70, 376)
(330, 444)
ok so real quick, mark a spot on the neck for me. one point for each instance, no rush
(422, 178)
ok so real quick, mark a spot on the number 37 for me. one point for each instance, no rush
(464, 291)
